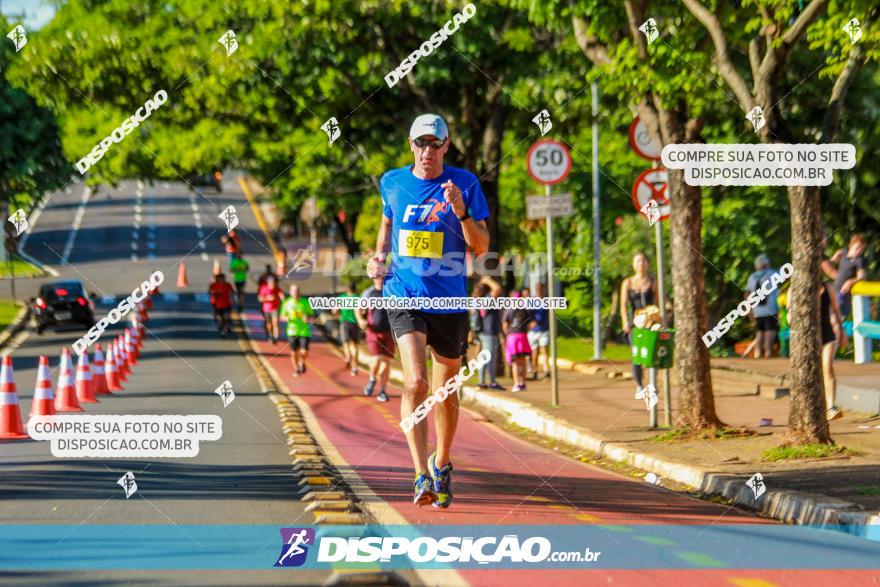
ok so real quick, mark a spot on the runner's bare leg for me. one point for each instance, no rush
(445, 412)
(415, 391)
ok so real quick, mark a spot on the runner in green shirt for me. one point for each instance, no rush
(350, 332)
(239, 268)
(298, 314)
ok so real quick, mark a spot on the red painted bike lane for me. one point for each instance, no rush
(499, 479)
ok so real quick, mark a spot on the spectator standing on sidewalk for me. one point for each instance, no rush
(636, 292)
(850, 270)
(380, 341)
(539, 338)
(766, 313)
(832, 336)
(516, 346)
(487, 326)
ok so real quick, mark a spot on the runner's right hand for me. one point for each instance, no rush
(376, 266)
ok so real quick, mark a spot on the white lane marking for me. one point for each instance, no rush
(134, 257)
(151, 256)
(134, 246)
(140, 184)
(202, 245)
(171, 297)
(135, 234)
(138, 208)
(77, 221)
(201, 233)
(203, 297)
(138, 217)
(205, 257)
(32, 222)
(195, 207)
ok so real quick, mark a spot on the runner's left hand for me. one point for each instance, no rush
(453, 196)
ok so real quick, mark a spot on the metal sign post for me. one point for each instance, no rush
(651, 185)
(549, 162)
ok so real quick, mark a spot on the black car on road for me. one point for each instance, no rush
(63, 303)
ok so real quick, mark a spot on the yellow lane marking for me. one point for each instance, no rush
(258, 214)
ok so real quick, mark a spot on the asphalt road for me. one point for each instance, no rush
(120, 237)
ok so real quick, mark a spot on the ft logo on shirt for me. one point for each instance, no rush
(429, 212)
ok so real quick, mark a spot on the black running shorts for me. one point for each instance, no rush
(447, 334)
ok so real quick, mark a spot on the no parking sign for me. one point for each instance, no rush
(652, 185)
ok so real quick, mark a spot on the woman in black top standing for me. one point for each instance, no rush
(832, 336)
(636, 292)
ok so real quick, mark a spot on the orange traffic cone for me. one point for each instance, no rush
(121, 360)
(120, 374)
(99, 377)
(85, 389)
(65, 393)
(130, 359)
(138, 336)
(216, 270)
(112, 371)
(10, 412)
(181, 276)
(44, 397)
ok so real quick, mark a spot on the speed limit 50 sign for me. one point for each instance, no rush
(549, 161)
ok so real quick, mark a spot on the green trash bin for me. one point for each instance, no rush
(653, 348)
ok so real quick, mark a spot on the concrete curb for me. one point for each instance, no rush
(17, 325)
(792, 507)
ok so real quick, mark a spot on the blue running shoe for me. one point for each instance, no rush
(442, 482)
(424, 492)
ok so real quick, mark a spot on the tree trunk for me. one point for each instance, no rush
(806, 420)
(696, 405)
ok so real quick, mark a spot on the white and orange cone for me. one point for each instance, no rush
(65, 392)
(120, 359)
(111, 373)
(44, 398)
(98, 374)
(130, 359)
(11, 427)
(85, 389)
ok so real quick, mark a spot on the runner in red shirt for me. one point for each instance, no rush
(221, 301)
(232, 243)
(270, 296)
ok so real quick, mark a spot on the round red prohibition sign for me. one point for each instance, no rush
(651, 185)
(549, 161)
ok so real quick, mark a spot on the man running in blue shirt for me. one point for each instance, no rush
(432, 215)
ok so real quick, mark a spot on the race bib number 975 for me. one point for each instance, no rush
(420, 243)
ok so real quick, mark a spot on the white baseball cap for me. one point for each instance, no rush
(429, 124)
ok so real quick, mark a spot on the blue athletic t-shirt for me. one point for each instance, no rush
(417, 207)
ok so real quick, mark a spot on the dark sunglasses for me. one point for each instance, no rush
(422, 143)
